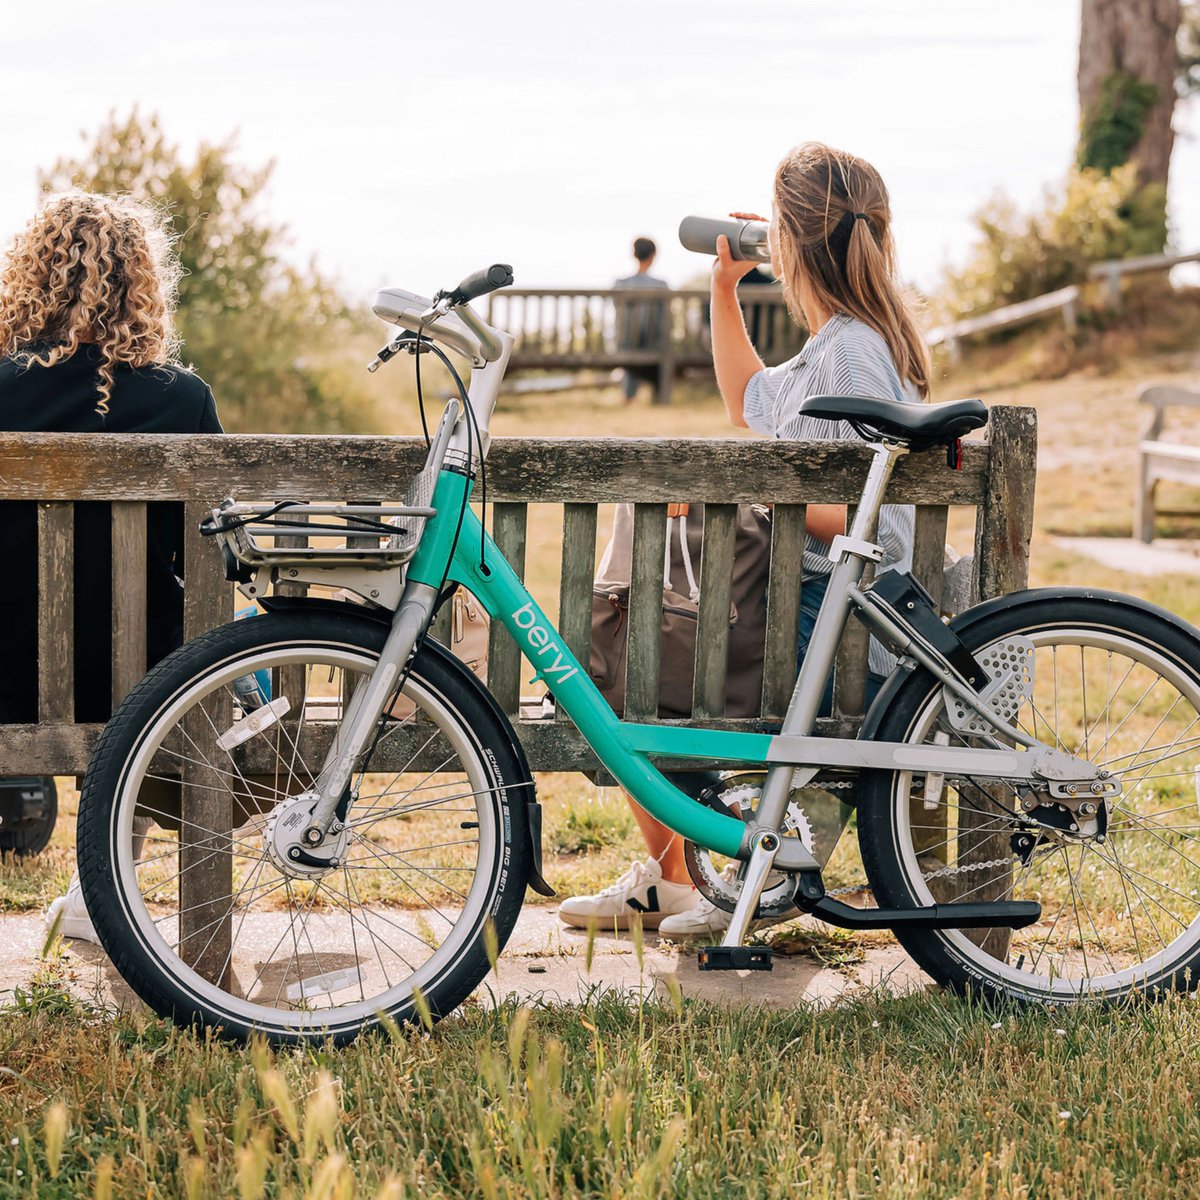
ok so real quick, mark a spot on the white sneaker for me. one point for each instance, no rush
(640, 893)
(707, 920)
(72, 915)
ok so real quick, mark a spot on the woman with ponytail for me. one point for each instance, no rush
(832, 248)
(87, 345)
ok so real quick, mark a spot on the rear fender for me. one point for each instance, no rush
(966, 621)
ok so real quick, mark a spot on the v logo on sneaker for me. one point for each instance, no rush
(650, 906)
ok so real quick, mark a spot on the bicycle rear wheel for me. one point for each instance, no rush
(1118, 684)
(187, 833)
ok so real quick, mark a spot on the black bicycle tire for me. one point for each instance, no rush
(147, 977)
(877, 830)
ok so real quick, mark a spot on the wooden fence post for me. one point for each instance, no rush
(206, 817)
(1003, 529)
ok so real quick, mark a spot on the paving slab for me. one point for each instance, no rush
(1163, 556)
(545, 961)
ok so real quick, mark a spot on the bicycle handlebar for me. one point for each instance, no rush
(480, 283)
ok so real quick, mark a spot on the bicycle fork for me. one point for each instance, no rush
(366, 706)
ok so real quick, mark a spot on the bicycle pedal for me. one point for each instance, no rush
(734, 958)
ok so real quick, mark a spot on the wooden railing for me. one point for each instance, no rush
(581, 475)
(655, 332)
(1114, 270)
(1064, 301)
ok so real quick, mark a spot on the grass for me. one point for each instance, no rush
(923, 1095)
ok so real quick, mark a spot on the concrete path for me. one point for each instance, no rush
(1163, 556)
(544, 961)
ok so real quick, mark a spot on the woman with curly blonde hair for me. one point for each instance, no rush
(87, 345)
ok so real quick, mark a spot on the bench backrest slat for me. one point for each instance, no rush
(504, 659)
(712, 628)
(783, 607)
(642, 656)
(128, 597)
(56, 612)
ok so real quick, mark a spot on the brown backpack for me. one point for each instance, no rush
(747, 615)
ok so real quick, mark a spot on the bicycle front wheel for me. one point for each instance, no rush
(1119, 685)
(187, 835)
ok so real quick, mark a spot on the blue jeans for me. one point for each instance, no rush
(811, 597)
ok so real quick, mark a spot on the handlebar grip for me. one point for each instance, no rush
(481, 282)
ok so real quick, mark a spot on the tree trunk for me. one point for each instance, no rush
(1132, 38)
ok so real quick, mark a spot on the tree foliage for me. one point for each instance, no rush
(1114, 124)
(263, 333)
(1093, 216)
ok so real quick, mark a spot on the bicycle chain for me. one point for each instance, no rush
(944, 872)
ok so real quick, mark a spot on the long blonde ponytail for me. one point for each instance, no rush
(833, 231)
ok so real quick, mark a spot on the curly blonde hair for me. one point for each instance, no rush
(90, 269)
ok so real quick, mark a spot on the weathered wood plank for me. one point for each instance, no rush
(1004, 523)
(45, 466)
(712, 632)
(56, 611)
(575, 586)
(550, 746)
(128, 597)
(206, 868)
(783, 608)
(291, 681)
(929, 548)
(645, 611)
(207, 596)
(850, 665)
(504, 657)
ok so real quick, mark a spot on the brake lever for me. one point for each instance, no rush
(389, 351)
(406, 341)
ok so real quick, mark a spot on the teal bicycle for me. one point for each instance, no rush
(317, 819)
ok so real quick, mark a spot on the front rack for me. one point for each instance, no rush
(280, 534)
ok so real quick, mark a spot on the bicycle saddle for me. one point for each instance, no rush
(920, 425)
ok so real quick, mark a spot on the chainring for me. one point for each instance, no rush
(739, 794)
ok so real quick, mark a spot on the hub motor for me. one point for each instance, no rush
(284, 836)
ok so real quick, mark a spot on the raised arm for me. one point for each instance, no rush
(735, 360)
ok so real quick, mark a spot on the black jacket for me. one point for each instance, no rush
(62, 399)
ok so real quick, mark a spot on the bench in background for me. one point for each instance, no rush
(1160, 458)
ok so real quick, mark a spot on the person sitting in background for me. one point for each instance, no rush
(641, 326)
(87, 345)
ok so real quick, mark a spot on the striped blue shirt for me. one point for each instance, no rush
(845, 357)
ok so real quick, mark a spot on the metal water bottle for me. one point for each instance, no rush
(747, 239)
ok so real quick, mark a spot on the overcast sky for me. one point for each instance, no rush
(415, 142)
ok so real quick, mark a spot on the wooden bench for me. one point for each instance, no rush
(580, 475)
(581, 329)
(1160, 459)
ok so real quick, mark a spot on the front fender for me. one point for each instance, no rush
(469, 679)
(966, 621)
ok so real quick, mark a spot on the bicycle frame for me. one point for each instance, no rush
(449, 551)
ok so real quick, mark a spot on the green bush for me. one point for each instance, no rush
(1089, 218)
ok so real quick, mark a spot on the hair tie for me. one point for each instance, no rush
(861, 217)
